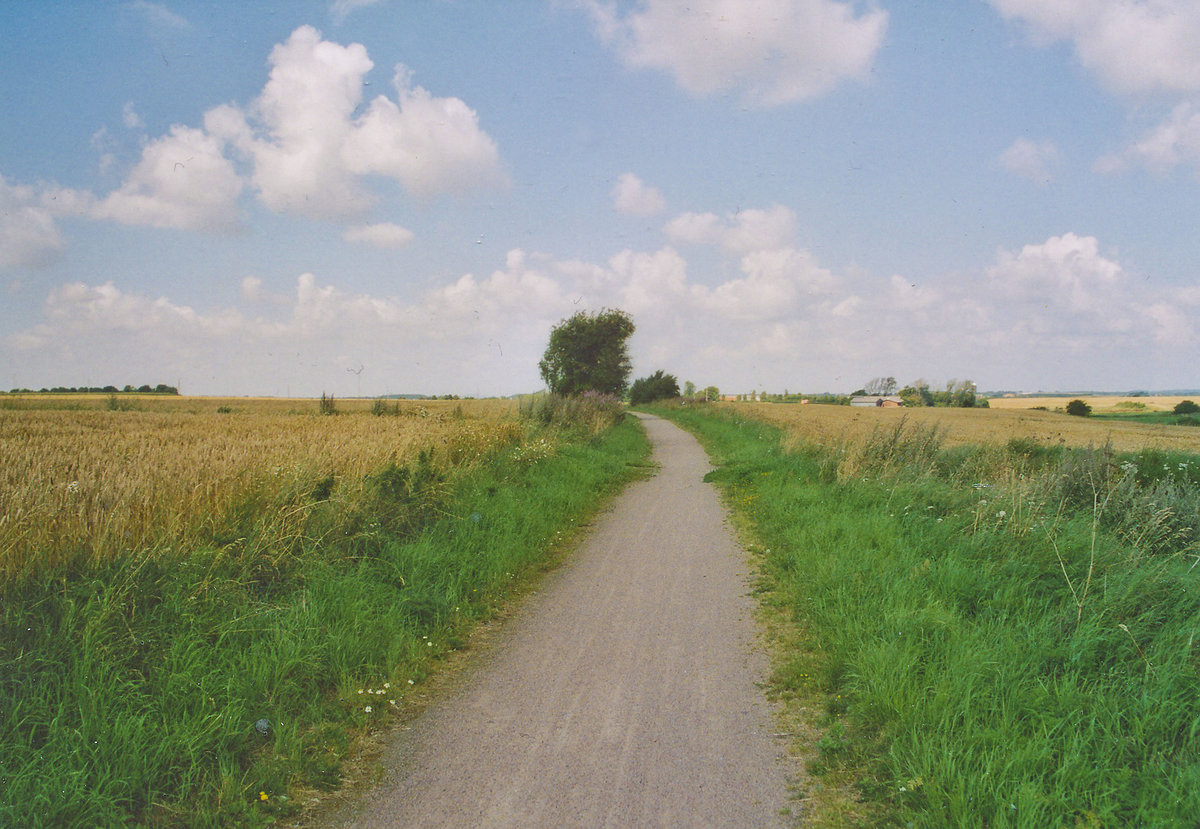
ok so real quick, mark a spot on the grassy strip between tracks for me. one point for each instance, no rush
(216, 686)
(979, 636)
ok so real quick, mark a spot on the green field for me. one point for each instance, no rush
(1155, 418)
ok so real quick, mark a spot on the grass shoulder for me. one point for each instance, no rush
(992, 635)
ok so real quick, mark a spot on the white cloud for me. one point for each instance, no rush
(1134, 46)
(339, 10)
(470, 335)
(310, 153)
(1065, 271)
(158, 15)
(741, 232)
(1031, 160)
(29, 235)
(381, 235)
(781, 319)
(631, 195)
(1173, 142)
(428, 144)
(772, 51)
(305, 111)
(130, 117)
(182, 181)
(77, 308)
(1142, 49)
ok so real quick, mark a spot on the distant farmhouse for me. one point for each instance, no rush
(878, 401)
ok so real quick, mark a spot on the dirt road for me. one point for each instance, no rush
(622, 694)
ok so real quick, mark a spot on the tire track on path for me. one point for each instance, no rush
(623, 693)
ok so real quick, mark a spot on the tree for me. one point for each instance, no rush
(711, 393)
(1078, 408)
(658, 386)
(962, 394)
(917, 393)
(587, 353)
(1186, 407)
(881, 386)
(689, 389)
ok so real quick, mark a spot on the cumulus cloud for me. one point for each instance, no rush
(1030, 160)
(29, 234)
(1134, 46)
(78, 309)
(380, 235)
(631, 195)
(488, 332)
(308, 144)
(780, 314)
(428, 144)
(772, 51)
(773, 283)
(1142, 49)
(1173, 142)
(741, 232)
(310, 153)
(1066, 271)
(183, 181)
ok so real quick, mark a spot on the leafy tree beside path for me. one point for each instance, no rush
(587, 352)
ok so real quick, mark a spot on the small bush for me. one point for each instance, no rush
(1078, 408)
(1186, 407)
(115, 404)
(326, 406)
(380, 408)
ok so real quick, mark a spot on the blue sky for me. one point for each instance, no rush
(406, 195)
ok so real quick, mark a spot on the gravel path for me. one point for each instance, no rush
(623, 693)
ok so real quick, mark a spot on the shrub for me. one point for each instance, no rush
(658, 386)
(380, 407)
(326, 406)
(1186, 407)
(1078, 408)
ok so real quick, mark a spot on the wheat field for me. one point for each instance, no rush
(842, 424)
(92, 483)
(1099, 403)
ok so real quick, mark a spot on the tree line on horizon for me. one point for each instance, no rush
(161, 388)
(587, 354)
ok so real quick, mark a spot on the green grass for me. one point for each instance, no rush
(130, 693)
(985, 635)
(1155, 418)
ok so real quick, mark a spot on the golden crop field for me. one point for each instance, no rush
(1099, 403)
(102, 483)
(840, 424)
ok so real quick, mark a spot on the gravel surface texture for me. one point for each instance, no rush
(625, 692)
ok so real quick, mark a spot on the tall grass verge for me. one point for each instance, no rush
(590, 412)
(988, 636)
(225, 683)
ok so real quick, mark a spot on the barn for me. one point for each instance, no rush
(877, 401)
